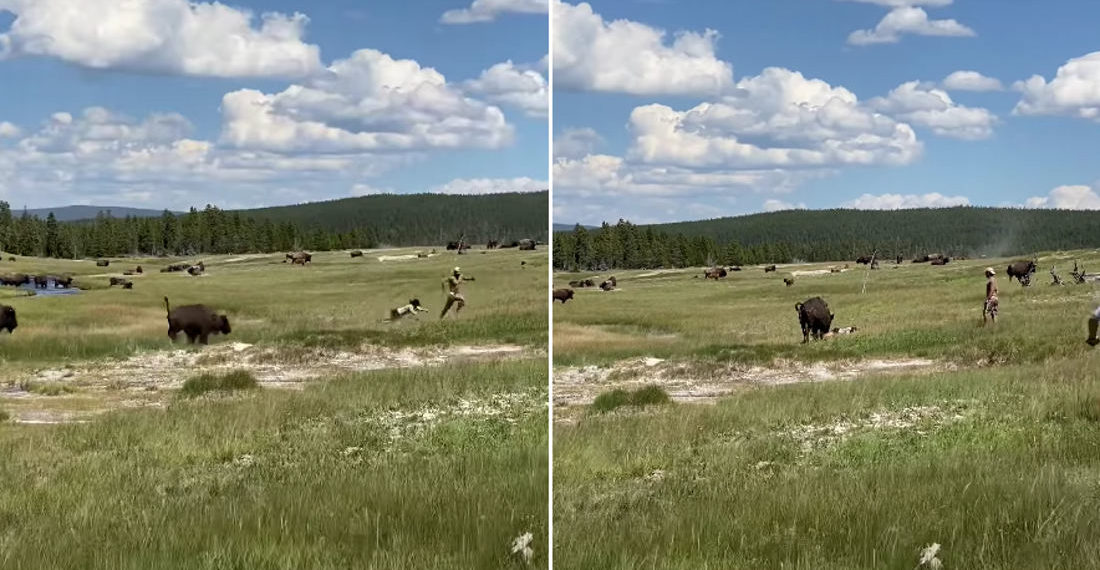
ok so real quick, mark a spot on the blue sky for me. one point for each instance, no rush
(822, 103)
(166, 103)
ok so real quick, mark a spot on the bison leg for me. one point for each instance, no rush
(204, 338)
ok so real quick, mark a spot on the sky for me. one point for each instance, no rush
(248, 103)
(669, 110)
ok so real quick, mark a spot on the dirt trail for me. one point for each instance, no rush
(701, 382)
(140, 379)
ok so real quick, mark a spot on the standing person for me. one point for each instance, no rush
(1094, 323)
(453, 285)
(989, 310)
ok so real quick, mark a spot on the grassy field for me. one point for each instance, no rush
(991, 450)
(417, 444)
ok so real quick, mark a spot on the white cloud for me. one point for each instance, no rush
(576, 142)
(508, 84)
(904, 3)
(1074, 91)
(971, 81)
(900, 201)
(160, 36)
(908, 20)
(624, 56)
(368, 190)
(776, 119)
(367, 102)
(488, 10)
(1067, 198)
(8, 130)
(774, 205)
(933, 108)
(490, 185)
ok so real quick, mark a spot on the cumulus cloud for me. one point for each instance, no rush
(1074, 91)
(511, 85)
(488, 10)
(904, 3)
(99, 154)
(367, 102)
(776, 119)
(490, 185)
(368, 190)
(1067, 198)
(971, 81)
(933, 108)
(908, 20)
(576, 142)
(160, 36)
(591, 54)
(900, 201)
(8, 130)
(774, 205)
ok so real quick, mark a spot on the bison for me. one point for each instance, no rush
(527, 244)
(457, 245)
(41, 281)
(62, 281)
(788, 281)
(196, 270)
(941, 261)
(196, 321)
(814, 318)
(493, 244)
(176, 267)
(299, 258)
(357, 253)
(562, 295)
(1022, 271)
(715, 273)
(735, 268)
(7, 318)
(769, 269)
(15, 280)
(102, 263)
(864, 260)
(124, 283)
(609, 284)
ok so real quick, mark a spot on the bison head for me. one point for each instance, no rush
(223, 324)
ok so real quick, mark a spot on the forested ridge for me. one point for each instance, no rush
(826, 235)
(369, 221)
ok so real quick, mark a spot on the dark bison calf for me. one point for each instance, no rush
(788, 281)
(357, 253)
(7, 318)
(562, 295)
(735, 268)
(814, 318)
(769, 269)
(196, 321)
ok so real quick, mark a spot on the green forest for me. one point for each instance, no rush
(388, 220)
(825, 235)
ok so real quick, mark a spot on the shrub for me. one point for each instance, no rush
(647, 396)
(230, 381)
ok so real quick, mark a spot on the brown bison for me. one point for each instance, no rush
(769, 269)
(562, 295)
(15, 280)
(299, 258)
(176, 267)
(527, 244)
(102, 263)
(493, 244)
(864, 260)
(1022, 271)
(357, 253)
(62, 281)
(814, 318)
(609, 284)
(941, 261)
(715, 273)
(7, 318)
(41, 281)
(124, 283)
(788, 281)
(735, 268)
(196, 321)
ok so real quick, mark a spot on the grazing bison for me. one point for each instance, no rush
(1022, 271)
(927, 258)
(814, 317)
(527, 244)
(15, 280)
(788, 281)
(582, 283)
(609, 284)
(176, 267)
(62, 281)
(41, 281)
(357, 253)
(493, 244)
(196, 321)
(864, 260)
(735, 268)
(125, 283)
(715, 273)
(941, 261)
(102, 263)
(769, 269)
(459, 245)
(7, 318)
(562, 295)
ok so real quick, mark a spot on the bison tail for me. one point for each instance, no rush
(798, 306)
(167, 307)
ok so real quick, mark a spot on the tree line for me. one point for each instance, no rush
(357, 223)
(825, 235)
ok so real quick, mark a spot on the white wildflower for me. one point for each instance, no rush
(928, 556)
(244, 460)
(522, 546)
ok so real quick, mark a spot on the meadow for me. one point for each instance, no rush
(314, 435)
(859, 451)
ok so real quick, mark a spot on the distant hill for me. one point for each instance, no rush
(569, 227)
(832, 235)
(74, 213)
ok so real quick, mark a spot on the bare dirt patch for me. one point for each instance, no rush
(144, 379)
(696, 382)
